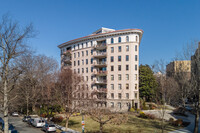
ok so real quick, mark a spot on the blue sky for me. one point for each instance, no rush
(167, 24)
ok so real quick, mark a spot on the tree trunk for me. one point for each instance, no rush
(27, 102)
(66, 124)
(101, 127)
(5, 107)
(196, 121)
(33, 107)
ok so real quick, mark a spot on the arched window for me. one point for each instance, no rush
(119, 39)
(82, 45)
(112, 40)
(78, 46)
(127, 39)
(136, 38)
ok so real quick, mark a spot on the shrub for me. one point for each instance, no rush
(178, 122)
(57, 119)
(171, 121)
(138, 110)
(43, 115)
(132, 110)
(142, 115)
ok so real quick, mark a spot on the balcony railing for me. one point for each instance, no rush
(101, 73)
(100, 55)
(100, 46)
(100, 64)
(100, 82)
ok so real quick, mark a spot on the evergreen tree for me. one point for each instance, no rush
(147, 82)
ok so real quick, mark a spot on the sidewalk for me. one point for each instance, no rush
(189, 128)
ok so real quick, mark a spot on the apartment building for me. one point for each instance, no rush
(180, 66)
(108, 61)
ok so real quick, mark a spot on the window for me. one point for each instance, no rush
(112, 68)
(127, 48)
(112, 104)
(136, 38)
(127, 76)
(119, 77)
(86, 52)
(135, 76)
(135, 67)
(78, 54)
(112, 86)
(119, 95)
(91, 52)
(74, 63)
(91, 69)
(82, 53)
(91, 43)
(112, 49)
(135, 95)
(136, 86)
(127, 57)
(74, 55)
(112, 95)
(112, 40)
(92, 80)
(127, 86)
(112, 77)
(91, 60)
(119, 86)
(119, 49)
(127, 39)
(78, 70)
(112, 59)
(119, 39)
(127, 95)
(127, 67)
(82, 45)
(120, 105)
(87, 70)
(136, 58)
(78, 62)
(135, 47)
(86, 44)
(86, 61)
(86, 78)
(119, 68)
(119, 58)
(78, 46)
(82, 62)
(82, 70)
(74, 70)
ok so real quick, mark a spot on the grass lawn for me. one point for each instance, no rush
(133, 125)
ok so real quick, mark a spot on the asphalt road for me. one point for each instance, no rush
(23, 127)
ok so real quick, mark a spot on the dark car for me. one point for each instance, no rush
(26, 118)
(30, 121)
(11, 127)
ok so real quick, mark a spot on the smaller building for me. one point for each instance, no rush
(181, 66)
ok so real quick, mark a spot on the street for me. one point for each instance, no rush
(22, 127)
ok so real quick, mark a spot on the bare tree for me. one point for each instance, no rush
(68, 92)
(12, 45)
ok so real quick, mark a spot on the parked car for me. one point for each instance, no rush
(15, 114)
(49, 128)
(11, 127)
(38, 122)
(30, 121)
(26, 118)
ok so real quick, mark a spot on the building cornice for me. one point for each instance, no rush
(95, 36)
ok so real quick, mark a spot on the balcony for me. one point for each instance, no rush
(100, 82)
(100, 46)
(100, 55)
(100, 64)
(101, 73)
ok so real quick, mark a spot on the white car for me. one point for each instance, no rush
(37, 122)
(15, 114)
